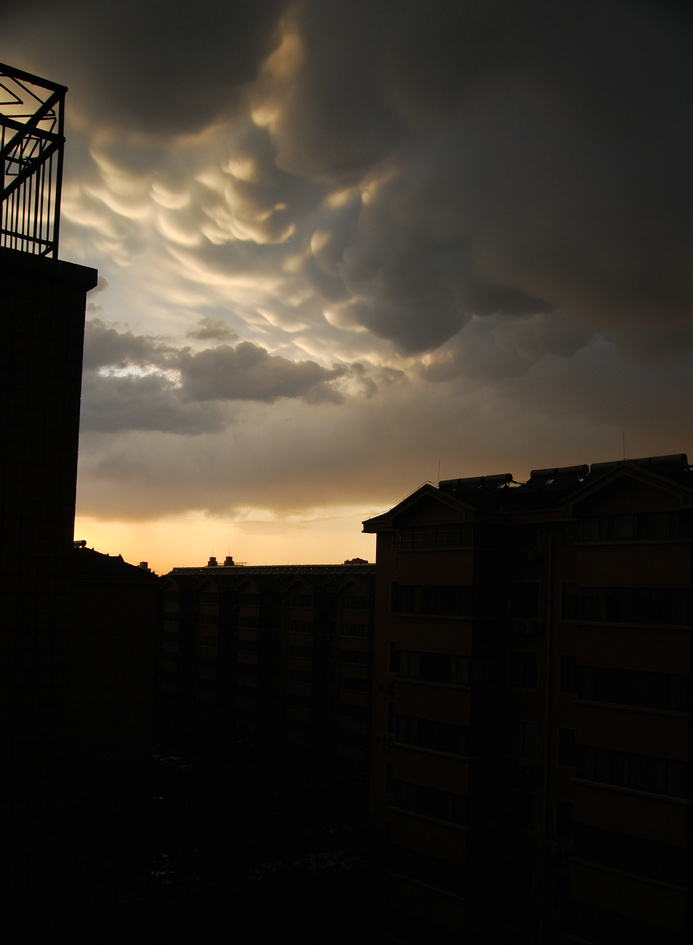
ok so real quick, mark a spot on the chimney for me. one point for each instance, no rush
(228, 561)
(144, 565)
(212, 563)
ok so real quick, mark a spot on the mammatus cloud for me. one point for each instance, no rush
(344, 241)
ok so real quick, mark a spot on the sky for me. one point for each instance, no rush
(349, 247)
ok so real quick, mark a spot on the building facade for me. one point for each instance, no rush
(268, 654)
(531, 743)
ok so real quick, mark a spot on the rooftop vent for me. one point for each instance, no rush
(31, 161)
(228, 562)
(212, 563)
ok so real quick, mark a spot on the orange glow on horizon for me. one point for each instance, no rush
(190, 542)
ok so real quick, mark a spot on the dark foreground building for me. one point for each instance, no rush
(42, 305)
(531, 755)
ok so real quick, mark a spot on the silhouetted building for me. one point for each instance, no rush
(531, 758)
(113, 629)
(42, 305)
(269, 653)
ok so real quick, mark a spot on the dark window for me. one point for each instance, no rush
(667, 606)
(660, 861)
(355, 656)
(301, 652)
(433, 536)
(354, 629)
(433, 667)
(646, 526)
(437, 736)
(638, 772)
(633, 687)
(302, 626)
(435, 600)
(355, 602)
(301, 600)
(522, 739)
(354, 684)
(431, 802)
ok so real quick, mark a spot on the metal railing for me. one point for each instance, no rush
(31, 161)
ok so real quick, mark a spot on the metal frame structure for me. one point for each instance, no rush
(31, 161)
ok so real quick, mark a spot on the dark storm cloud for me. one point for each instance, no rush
(248, 372)
(105, 346)
(209, 329)
(517, 157)
(143, 402)
(524, 158)
(160, 66)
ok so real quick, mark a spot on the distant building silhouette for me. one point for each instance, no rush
(268, 654)
(531, 774)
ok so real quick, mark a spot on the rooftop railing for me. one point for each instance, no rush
(31, 161)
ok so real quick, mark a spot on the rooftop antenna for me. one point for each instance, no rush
(439, 470)
(624, 445)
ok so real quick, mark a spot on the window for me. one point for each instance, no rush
(430, 802)
(660, 861)
(301, 652)
(355, 602)
(432, 667)
(433, 536)
(355, 656)
(301, 600)
(522, 739)
(354, 711)
(300, 675)
(432, 600)
(437, 736)
(301, 626)
(634, 687)
(624, 769)
(646, 526)
(669, 606)
(354, 629)
(354, 684)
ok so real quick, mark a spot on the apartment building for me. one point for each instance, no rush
(268, 654)
(531, 746)
(42, 305)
